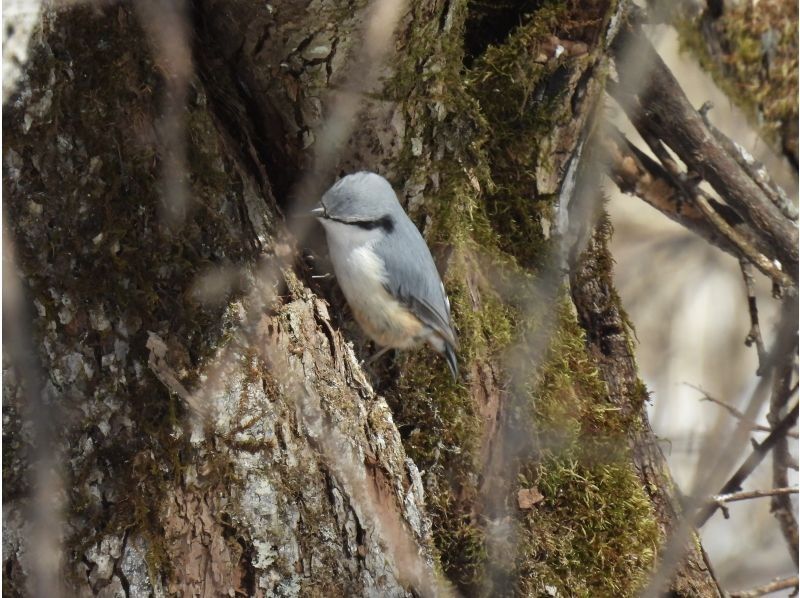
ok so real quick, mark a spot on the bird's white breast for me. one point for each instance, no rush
(361, 275)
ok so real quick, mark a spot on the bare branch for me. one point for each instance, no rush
(774, 586)
(661, 109)
(754, 336)
(761, 261)
(737, 496)
(759, 452)
(752, 167)
(637, 173)
(672, 192)
(781, 458)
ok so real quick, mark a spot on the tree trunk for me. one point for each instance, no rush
(218, 433)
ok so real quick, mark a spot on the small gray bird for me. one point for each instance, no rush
(384, 267)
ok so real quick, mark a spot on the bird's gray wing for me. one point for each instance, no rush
(412, 278)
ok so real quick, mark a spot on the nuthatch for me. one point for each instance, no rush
(384, 267)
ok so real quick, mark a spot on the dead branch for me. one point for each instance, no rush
(663, 115)
(753, 167)
(670, 191)
(747, 250)
(638, 174)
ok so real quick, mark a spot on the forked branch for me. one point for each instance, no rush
(755, 221)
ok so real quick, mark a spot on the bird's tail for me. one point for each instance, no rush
(450, 355)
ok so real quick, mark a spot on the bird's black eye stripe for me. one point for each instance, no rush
(385, 222)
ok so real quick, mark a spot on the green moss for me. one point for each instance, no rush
(496, 239)
(508, 84)
(573, 540)
(595, 532)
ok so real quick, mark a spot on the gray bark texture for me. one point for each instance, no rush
(202, 397)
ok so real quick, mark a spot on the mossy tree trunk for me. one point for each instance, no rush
(305, 475)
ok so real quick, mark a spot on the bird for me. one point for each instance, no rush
(384, 267)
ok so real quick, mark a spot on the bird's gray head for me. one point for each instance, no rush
(365, 199)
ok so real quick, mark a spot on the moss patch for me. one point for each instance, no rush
(484, 124)
(520, 97)
(758, 66)
(595, 532)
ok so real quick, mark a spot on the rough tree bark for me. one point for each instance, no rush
(303, 474)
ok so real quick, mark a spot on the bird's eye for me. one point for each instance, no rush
(384, 222)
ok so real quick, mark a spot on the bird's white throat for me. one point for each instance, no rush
(359, 270)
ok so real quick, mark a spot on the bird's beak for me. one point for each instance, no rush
(318, 212)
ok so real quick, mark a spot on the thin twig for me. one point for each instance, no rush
(759, 452)
(722, 499)
(751, 253)
(754, 335)
(773, 586)
(736, 413)
(737, 496)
